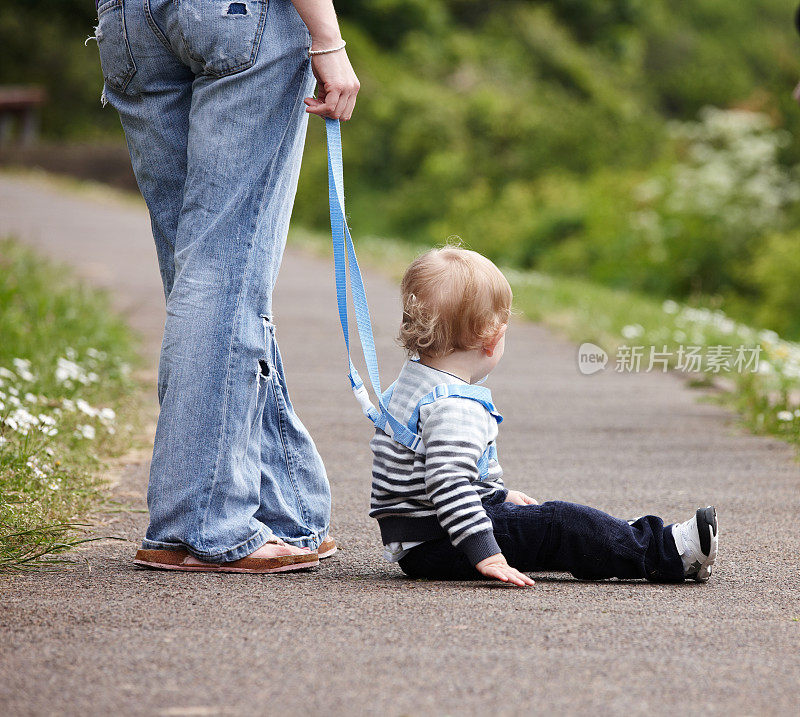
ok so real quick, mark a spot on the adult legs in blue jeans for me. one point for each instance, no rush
(212, 109)
(558, 536)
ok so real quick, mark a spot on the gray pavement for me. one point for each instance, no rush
(355, 636)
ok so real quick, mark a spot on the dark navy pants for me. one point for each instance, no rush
(558, 536)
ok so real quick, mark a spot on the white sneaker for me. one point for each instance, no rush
(697, 540)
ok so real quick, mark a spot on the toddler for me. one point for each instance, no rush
(445, 513)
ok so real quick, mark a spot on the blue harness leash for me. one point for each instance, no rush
(346, 263)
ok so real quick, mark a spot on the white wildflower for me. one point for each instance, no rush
(23, 367)
(85, 431)
(86, 408)
(21, 421)
(5, 373)
(632, 331)
(67, 370)
(670, 307)
(768, 337)
(785, 416)
(33, 464)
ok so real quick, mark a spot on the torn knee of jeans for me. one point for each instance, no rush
(237, 8)
(263, 368)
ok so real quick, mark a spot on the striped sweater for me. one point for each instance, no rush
(423, 497)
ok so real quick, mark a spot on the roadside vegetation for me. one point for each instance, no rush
(67, 403)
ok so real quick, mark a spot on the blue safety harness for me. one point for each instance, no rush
(345, 262)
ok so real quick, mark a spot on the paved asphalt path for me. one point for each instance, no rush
(354, 636)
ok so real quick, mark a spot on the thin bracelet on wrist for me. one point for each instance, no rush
(311, 52)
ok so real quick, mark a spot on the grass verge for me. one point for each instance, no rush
(757, 370)
(67, 402)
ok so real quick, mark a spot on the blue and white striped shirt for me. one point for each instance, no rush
(423, 497)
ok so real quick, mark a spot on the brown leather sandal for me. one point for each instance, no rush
(327, 548)
(183, 560)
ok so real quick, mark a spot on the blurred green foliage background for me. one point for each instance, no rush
(643, 144)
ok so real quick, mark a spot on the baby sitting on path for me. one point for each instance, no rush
(445, 514)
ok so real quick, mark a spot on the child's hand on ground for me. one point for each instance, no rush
(497, 568)
(518, 498)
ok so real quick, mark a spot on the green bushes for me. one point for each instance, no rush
(544, 134)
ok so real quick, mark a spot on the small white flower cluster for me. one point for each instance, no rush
(69, 373)
(19, 414)
(23, 367)
(779, 360)
(786, 416)
(44, 471)
(731, 175)
(22, 421)
(781, 357)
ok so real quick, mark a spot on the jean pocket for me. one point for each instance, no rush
(116, 60)
(222, 36)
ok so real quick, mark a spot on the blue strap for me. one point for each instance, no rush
(343, 245)
(481, 394)
(387, 394)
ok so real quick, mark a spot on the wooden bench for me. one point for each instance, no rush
(19, 105)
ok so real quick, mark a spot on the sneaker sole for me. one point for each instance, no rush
(708, 529)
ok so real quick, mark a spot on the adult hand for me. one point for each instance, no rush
(519, 498)
(337, 86)
(497, 568)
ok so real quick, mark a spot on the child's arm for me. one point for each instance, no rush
(455, 435)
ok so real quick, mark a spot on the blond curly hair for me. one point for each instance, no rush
(453, 298)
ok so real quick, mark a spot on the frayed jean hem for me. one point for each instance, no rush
(312, 540)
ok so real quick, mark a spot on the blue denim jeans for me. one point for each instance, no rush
(558, 536)
(210, 95)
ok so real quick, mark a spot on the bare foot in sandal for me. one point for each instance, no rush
(276, 549)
